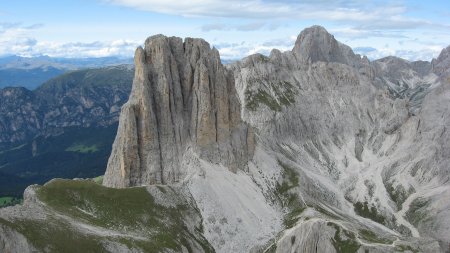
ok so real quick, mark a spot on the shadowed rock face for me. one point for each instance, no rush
(182, 98)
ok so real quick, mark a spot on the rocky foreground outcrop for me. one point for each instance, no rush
(182, 98)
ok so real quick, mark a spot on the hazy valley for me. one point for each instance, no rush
(64, 128)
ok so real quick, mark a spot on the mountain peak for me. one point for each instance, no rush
(182, 99)
(314, 33)
(445, 53)
(441, 65)
(316, 29)
(317, 44)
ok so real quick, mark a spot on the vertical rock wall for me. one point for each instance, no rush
(182, 97)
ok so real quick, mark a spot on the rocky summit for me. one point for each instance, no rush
(316, 149)
(182, 99)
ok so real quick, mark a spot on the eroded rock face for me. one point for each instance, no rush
(377, 130)
(182, 98)
(407, 80)
(442, 63)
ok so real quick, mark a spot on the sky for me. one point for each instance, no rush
(413, 30)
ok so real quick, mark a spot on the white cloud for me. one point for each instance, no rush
(19, 39)
(121, 48)
(370, 15)
(358, 33)
(16, 39)
(426, 53)
(210, 8)
(215, 27)
(254, 26)
(236, 51)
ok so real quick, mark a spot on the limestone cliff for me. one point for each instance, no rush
(182, 98)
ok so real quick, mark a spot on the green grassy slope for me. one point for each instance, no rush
(128, 217)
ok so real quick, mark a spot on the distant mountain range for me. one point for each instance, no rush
(30, 72)
(64, 128)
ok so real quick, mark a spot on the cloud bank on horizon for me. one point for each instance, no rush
(413, 30)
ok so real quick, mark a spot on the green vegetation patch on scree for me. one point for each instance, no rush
(398, 194)
(372, 237)
(417, 211)
(289, 199)
(406, 248)
(5, 200)
(279, 94)
(363, 209)
(98, 180)
(80, 148)
(129, 211)
(9, 201)
(341, 244)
